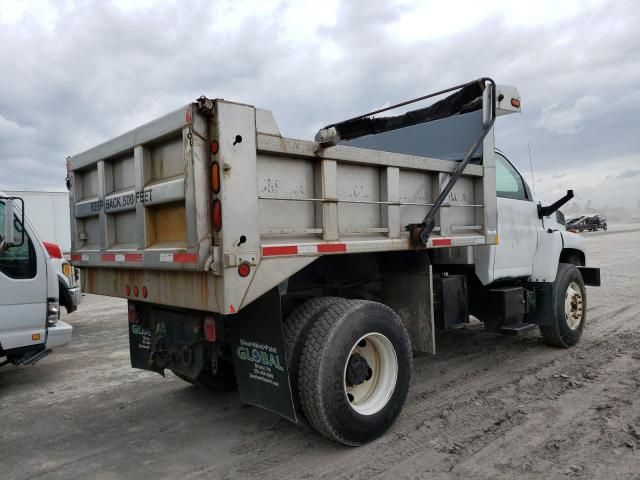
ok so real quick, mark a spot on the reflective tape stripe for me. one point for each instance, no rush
(332, 247)
(185, 258)
(108, 257)
(441, 242)
(283, 250)
(133, 257)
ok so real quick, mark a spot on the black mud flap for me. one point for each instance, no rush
(259, 357)
(163, 339)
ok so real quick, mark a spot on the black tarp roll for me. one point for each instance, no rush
(467, 99)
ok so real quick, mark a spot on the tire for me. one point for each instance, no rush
(344, 399)
(569, 308)
(604, 227)
(295, 329)
(223, 381)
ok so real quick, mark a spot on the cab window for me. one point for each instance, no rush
(509, 183)
(18, 262)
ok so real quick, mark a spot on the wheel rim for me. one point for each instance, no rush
(370, 373)
(573, 304)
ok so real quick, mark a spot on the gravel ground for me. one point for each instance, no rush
(486, 406)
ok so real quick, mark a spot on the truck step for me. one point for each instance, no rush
(34, 358)
(518, 329)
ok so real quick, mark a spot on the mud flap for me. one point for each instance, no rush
(259, 358)
(162, 339)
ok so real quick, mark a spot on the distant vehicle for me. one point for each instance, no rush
(68, 276)
(29, 291)
(307, 272)
(589, 223)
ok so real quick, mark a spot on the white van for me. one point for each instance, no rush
(29, 299)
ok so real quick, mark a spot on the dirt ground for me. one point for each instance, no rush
(486, 406)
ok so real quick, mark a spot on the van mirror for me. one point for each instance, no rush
(7, 228)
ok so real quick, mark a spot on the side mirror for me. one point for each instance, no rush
(7, 232)
(548, 210)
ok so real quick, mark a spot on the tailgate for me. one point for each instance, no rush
(135, 200)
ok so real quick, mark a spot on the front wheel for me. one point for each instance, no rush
(569, 308)
(354, 371)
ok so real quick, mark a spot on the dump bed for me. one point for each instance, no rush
(210, 206)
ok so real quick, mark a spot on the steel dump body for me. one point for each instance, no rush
(142, 206)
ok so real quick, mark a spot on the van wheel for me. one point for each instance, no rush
(223, 381)
(354, 371)
(295, 329)
(569, 308)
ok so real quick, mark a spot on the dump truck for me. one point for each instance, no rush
(307, 274)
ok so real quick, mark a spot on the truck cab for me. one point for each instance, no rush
(29, 297)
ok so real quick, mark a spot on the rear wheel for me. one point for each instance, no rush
(569, 308)
(295, 329)
(223, 381)
(354, 371)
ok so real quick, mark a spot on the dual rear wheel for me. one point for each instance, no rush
(351, 361)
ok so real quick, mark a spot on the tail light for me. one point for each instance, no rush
(215, 177)
(210, 333)
(133, 315)
(53, 249)
(217, 215)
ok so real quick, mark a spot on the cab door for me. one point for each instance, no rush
(518, 223)
(23, 290)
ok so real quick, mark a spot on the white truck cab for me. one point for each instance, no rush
(29, 299)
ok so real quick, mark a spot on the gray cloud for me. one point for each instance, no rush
(100, 71)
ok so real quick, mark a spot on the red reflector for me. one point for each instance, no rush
(133, 315)
(441, 242)
(217, 215)
(185, 257)
(133, 257)
(215, 146)
(210, 329)
(145, 292)
(332, 247)
(136, 291)
(127, 290)
(284, 250)
(244, 269)
(53, 249)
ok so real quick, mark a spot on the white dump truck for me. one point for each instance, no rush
(30, 325)
(308, 273)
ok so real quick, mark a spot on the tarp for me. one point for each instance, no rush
(467, 99)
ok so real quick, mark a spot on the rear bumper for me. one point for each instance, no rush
(59, 335)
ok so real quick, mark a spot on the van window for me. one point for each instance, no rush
(509, 183)
(18, 262)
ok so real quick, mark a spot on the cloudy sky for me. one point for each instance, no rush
(75, 73)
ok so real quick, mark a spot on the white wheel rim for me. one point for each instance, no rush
(373, 394)
(573, 306)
